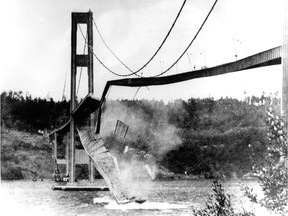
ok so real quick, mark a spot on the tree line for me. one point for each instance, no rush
(22, 112)
(219, 137)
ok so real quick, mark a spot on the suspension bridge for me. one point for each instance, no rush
(92, 155)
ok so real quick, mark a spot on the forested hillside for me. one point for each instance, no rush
(23, 112)
(204, 137)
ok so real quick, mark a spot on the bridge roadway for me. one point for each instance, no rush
(265, 58)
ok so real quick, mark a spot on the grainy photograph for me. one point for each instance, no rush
(144, 107)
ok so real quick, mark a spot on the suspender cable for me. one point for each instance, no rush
(64, 86)
(121, 75)
(152, 57)
(191, 40)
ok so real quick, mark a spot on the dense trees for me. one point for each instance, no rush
(218, 138)
(23, 112)
(207, 137)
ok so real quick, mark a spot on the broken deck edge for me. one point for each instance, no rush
(80, 188)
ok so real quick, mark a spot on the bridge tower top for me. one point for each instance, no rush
(81, 60)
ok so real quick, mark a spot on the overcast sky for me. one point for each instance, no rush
(35, 45)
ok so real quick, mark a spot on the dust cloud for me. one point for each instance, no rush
(143, 134)
(145, 143)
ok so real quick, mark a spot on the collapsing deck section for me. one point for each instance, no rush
(103, 159)
(106, 164)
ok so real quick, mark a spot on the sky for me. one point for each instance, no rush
(35, 45)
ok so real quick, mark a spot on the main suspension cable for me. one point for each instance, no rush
(151, 58)
(121, 75)
(132, 72)
(190, 42)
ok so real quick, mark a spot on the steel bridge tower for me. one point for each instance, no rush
(79, 60)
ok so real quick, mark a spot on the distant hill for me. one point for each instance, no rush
(198, 137)
(25, 156)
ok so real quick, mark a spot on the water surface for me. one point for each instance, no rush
(177, 197)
